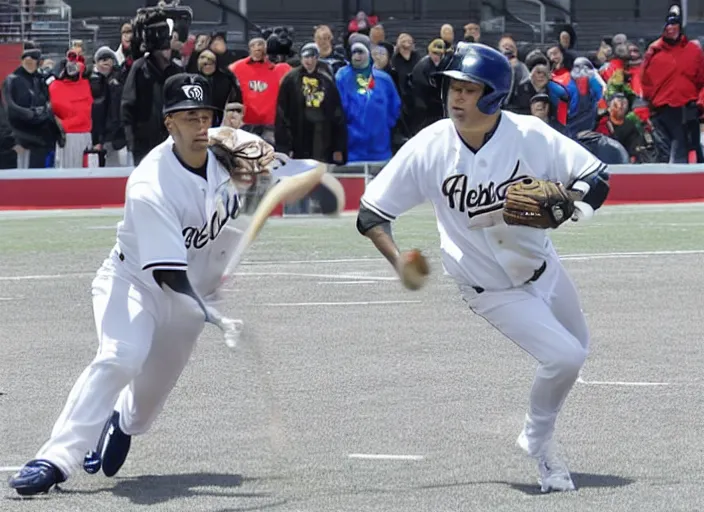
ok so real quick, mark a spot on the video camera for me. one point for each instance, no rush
(279, 43)
(153, 27)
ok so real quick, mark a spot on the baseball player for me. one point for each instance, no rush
(150, 297)
(470, 167)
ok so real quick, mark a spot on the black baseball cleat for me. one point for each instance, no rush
(38, 476)
(111, 451)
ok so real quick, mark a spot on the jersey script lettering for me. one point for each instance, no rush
(476, 201)
(229, 208)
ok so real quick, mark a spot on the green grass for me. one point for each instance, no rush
(614, 229)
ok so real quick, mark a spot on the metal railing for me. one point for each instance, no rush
(49, 25)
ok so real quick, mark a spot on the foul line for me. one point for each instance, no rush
(566, 257)
(620, 383)
(9, 469)
(360, 303)
(381, 456)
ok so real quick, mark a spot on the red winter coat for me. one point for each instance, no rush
(672, 75)
(72, 103)
(260, 83)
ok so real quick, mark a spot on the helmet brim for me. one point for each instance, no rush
(459, 75)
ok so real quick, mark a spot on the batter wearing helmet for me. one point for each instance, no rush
(509, 275)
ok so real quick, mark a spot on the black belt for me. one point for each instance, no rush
(536, 275)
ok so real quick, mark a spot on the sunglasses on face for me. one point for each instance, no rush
(74, 57)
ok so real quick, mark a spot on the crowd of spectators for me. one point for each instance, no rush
(351, 98)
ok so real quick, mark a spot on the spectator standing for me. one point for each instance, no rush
(428, 107)
(589, 91)
(323, 39)
(540, 107)
(142, 95)
(673, 76)
(377, 34)
(72, 103)
(370, 102)
(404, 59)
(618, 126)
(29, 114)
(8, 156)
(234, 113)
(125, 56)
(106, 86)
(218, 45)
(310, 122)
(519, 71)
(567, 38)
(223, 84)
(259, 79)
(447, 34)
(472, 33)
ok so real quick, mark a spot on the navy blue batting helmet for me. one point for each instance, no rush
(481, 64)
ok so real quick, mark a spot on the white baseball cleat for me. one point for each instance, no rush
(554, 474)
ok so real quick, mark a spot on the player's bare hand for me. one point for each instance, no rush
(413, 269)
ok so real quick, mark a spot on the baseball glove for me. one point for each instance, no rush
(537, 203)
(243, 159)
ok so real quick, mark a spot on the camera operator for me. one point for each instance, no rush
(142, 96)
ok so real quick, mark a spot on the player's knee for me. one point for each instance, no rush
(124, 358)
(570, 361)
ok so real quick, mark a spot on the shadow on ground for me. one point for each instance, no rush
(156, 489)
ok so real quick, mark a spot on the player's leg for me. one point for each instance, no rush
(527, 320)
(143, 399)
(125, 331)
(566, 306)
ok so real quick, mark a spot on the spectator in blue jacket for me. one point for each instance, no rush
(371, 104)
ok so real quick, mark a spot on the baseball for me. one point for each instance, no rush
(413, 269)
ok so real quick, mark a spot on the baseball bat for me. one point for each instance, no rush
(286, 190)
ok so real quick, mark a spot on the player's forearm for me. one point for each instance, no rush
(378, 230)
(383, 240)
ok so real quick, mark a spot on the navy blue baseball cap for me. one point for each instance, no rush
(185, 91)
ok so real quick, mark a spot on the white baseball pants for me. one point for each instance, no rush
(545, 319)
(142, 351)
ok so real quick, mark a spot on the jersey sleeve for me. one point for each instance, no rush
(157, 229)
(396, 189)
(571, 161)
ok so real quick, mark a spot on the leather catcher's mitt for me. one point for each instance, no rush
(243, 159)
(537, 203)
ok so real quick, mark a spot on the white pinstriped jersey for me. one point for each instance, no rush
(175, 219)
(467, 190)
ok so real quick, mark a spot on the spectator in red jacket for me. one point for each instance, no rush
(72, 102)
(259, 80)
(672, 78)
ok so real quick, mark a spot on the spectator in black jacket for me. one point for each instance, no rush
(142, 95)
(223, 83)
(26, 98)
(107, 132)
(310, 121)
(427, 100)
(8, 156)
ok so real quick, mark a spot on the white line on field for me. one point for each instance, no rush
(360, 303)
(381, 456)
(319, 276)
(616, 255)
(620, 383)
(567, 257)
(344, 282)
(9, 469)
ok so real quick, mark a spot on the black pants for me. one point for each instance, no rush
(679, 126)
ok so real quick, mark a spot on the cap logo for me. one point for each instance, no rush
(193, 92)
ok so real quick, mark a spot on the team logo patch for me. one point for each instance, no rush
(193, 92)
(485, 198)
(258, 86)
